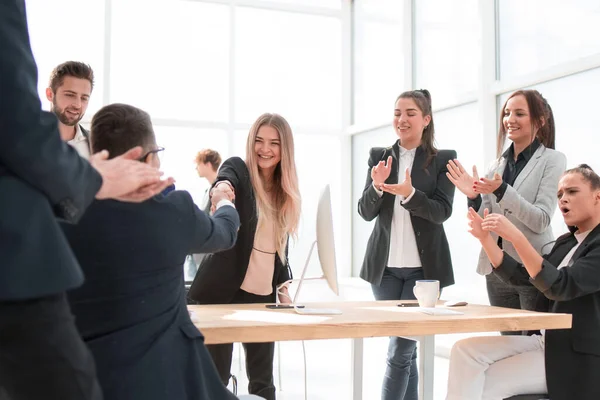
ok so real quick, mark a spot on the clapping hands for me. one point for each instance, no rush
(481, 227)
(401, 189)
(381, 172)
(461, 178)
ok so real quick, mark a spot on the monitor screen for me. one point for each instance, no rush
(325, 240)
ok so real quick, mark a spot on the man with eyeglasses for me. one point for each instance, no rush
(157, 151)
(41, 179)
(132, 311)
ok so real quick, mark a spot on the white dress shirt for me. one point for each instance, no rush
(80, 143)
(403, 244)
(566, 262)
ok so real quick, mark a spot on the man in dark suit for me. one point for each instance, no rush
(42, 178)
(131, 311)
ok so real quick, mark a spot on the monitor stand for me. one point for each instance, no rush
(301, 309)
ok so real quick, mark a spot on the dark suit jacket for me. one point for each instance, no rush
(221, 275)
(572, 355)
(41, 178)
(430, 206)
(131, 310)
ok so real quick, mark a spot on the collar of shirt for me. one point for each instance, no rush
(78, 135)
(405, 153)
(580, 236)
(526, 154)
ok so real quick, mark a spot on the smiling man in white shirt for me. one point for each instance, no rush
(69, 92)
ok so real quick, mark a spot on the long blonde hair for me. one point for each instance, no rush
(283, 207)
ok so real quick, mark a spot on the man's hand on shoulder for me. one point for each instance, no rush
(125, 178)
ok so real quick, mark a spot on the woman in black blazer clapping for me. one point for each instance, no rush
(408, 193)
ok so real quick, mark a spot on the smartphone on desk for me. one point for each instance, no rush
(408, 305)
(281, 306)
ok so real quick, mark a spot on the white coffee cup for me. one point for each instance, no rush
(427, 292)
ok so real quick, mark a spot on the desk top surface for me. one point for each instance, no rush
(255, 323)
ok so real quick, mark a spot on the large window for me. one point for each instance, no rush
(205, 70)
(282, 66)
(447, 49)
(379, 56)
(174, 61)
(65, 30)
(537, 34)
(329, 4)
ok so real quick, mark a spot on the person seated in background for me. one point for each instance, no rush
(131, 310)
(562, 362)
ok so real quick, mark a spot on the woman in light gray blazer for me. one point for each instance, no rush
(521, 184)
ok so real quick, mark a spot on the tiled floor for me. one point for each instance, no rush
(329, 361)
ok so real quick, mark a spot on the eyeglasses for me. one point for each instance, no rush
(155, 151)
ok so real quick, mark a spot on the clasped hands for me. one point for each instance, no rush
(471, 185)
(380, 173)
(223, 190)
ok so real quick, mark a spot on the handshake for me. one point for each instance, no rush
(223, 190)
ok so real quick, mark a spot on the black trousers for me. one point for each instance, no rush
(259, 356)
(502, 294)
(42, 355)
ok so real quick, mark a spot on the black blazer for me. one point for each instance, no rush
(572, 355)
(430, 206)
(221, 275)
(41, 178)
(131, 310)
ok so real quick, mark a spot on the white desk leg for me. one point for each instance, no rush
(426, 360)
(357, 368)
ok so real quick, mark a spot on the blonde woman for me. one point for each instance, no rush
(268, 202)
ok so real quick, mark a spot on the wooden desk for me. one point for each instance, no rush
(254, 323)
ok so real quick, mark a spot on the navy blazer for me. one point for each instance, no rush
(572, 355)
(221, 275)
(429, 207)
(41, 177)
(131, 310)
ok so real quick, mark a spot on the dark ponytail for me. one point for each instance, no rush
(547, 132)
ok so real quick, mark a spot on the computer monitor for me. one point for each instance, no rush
(325, 240)
(326, 250)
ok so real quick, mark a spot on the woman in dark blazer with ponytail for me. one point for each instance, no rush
(409, 195)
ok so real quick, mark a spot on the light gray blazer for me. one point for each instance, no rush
(529, 204)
